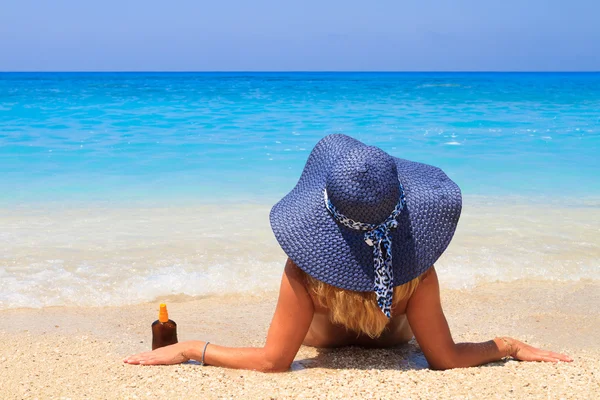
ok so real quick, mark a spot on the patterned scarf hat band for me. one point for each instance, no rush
(379, 237)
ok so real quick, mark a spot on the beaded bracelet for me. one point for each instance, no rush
(203, 353)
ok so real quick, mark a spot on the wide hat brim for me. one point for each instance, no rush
(339, 256)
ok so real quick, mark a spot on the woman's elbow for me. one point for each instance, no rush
(270, 361)
(441, 366)
(443, 363)
(273, 366)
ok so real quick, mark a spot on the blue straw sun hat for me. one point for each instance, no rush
(362, 220)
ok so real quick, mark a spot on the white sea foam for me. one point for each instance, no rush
(93, 257)
(93, 286)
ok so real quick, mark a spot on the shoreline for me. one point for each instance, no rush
(51, 349)
(121, 256)
(200, 200)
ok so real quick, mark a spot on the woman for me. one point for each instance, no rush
(362, 230)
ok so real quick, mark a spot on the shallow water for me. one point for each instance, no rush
(111, 256)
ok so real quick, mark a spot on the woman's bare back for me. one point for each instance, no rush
(324, 333)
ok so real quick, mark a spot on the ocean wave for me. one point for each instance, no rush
(97, 257)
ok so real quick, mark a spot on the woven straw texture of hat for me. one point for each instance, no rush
(363, 183)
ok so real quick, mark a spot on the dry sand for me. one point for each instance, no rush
(77, 352)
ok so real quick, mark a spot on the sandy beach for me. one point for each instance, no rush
(77, 352)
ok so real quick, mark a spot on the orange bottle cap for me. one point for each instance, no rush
(163, 315)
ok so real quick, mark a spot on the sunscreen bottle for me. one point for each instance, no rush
(164, 330)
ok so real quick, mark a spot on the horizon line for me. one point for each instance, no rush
(303, 71)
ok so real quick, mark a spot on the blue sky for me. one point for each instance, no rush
(217, 35)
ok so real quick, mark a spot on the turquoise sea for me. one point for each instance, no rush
(122, 187)
(144, 136)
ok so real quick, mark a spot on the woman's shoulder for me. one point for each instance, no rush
(294, 272)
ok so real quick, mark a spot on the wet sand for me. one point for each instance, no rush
(77, 352)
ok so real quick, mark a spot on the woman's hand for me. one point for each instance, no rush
(173, 354)
(524, 352)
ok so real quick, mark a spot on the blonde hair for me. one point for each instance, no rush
(357, 311)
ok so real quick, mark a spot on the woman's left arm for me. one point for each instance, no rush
(291, 321)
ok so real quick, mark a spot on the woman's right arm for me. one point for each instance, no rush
(428, 323)
(290, 324)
